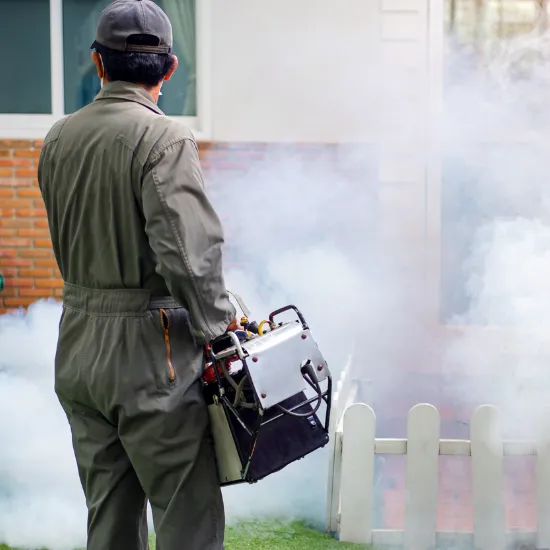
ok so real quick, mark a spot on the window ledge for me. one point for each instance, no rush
(37, 126)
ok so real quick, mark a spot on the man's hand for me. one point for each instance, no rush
(234, 325)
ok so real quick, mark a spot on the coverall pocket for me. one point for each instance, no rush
(165, 324)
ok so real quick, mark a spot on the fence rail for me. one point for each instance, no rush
(355, 448)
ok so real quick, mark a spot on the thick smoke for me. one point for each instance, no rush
(498, 223)
(306, 230)
(41, 502)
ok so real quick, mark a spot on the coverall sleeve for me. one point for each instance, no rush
(186, 235)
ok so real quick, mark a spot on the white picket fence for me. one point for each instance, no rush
(351, 477)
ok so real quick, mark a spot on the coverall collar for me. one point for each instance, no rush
(129, 92)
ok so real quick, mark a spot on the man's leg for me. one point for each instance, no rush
(117, 513)
(170, 445)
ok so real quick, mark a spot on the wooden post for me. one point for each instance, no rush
(487, 478)
(422, 477)
(357, 477)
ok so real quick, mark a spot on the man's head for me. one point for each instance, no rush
(134, 44)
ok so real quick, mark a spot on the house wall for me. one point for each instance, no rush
(312, 74)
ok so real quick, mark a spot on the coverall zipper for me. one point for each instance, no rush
(165, 323)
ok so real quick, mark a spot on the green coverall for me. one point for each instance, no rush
(139, 247)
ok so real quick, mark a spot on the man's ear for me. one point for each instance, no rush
(96, 58)
(174, 67)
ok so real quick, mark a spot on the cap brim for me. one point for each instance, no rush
(140, 48)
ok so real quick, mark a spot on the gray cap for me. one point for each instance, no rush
(124, 18)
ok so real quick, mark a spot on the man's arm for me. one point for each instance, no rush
(186, 235)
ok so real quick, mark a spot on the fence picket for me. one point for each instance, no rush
(487, 478)
(422, 477)
(357, 476)
(543, 481)
(334, 462)
(340, 399)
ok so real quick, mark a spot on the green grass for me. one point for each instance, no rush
(280, 536)
(273, 536)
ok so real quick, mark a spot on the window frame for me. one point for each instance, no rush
(32, 126)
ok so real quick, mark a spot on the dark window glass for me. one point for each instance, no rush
(81, 82)
(25, 57)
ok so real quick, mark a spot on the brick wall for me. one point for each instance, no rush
(26, 256)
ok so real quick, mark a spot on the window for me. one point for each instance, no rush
(25, 57)
(51, 72)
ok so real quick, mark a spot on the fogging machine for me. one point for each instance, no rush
(256, 383)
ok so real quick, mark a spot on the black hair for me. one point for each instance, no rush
(136, 67)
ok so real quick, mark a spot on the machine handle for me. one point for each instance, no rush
(234, 340)
(288, 308)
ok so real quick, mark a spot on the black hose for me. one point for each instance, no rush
(307, 369)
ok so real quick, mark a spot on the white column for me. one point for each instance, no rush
(56, 48)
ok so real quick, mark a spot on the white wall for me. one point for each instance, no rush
(339, 70)
(315, 70)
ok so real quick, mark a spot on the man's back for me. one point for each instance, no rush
(90, 176)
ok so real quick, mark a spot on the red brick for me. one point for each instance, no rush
(6, 192)
(49, 283)
(36, 253)
(32, 213)
(6, 212)
(38, 143)
(15, 143)
(10, 291)
(15, 203)
(26, 173)
(35, 272)
(5, 152)
(7, 162)
(42, 223)
(19, 302)
(43, 243)
(8, 232)
(58, 292)
(14, 182)
(204, 145)
(39, 203)
(19, 283)
(45, 263)
(15, 242)
(15, 222)
(15, 262)
(10, 272)
(37, 292)
(11, 253)
(34, 233)
(6, 172)
(32, 192)
(29, 153)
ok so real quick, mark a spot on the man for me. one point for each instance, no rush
(139, 247)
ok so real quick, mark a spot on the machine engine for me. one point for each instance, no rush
(256, 385)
